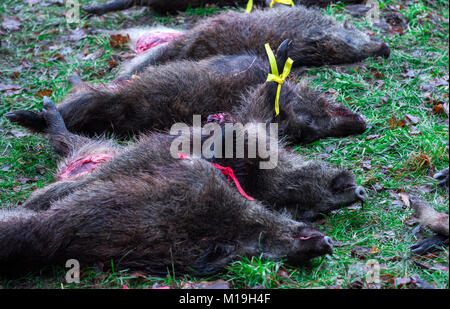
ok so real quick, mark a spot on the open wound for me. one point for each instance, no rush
(84, 166)
(154, 38)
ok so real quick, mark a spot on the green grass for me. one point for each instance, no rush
(394, 162)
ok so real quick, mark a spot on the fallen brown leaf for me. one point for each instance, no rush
(76, 35)
(378, 187)
(394, 123)
(411, 283)
(59, 57)
(8, 87)
(400, 282)
(18, 134)
(414, 131)
(116, 40)
(437, 109)
(404, 197)
(436, 82)
(10, 23)
(33, 2)
(378, 75)
(434, 267)
(360, 253)
(371, 137)
(44, 93)
(412, 119)
(332, 91)
(112, 63)
(374, 250)
(95, 55)
(420, 160)
(5, 168)
(396, 30)
(367, 165)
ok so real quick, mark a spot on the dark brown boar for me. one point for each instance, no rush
(175, 92)
(146, 211)
(316, 40)
(307, 189)
(164, 6)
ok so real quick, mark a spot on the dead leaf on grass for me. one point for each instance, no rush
(412, 119)
(116, 40)
(10, 23)
(374, 250)
(360, 252)
(434, 267)
(404, 197)
(420, 160)
(18, 134)
(414, 131)
(395, 123)
(373, 136)
(438, 109)
(44, 93)
(396, 30)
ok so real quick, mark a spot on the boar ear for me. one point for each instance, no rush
(283, 54)
(271, 87)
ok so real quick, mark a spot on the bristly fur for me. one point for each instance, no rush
(164, 6)
(146, 211)
(316, 40)
(171, 93)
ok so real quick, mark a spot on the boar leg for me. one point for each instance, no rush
(64, 143)
(43, 199)
(50, 122)
(198, 231)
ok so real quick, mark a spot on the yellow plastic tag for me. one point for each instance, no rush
(287, 2)
(249, 6)
(275, 76)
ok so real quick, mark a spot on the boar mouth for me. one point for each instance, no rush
(383, 49)
(348, 123)
(315, 245)
(302, 236)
